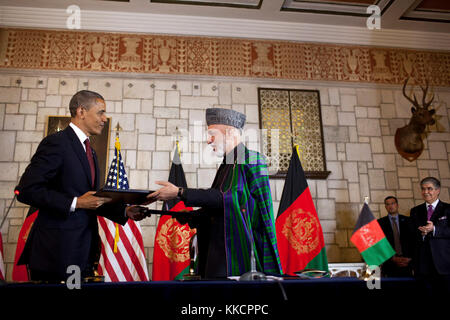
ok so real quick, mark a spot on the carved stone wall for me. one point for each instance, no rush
(160, 54)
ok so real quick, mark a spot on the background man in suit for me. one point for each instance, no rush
(60, 180)
(432, 232)
(397, 229)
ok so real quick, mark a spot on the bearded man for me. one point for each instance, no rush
(236, 215)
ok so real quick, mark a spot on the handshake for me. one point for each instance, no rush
(135, 212)
(168, 191)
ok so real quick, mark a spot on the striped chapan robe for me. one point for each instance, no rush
(249, 217)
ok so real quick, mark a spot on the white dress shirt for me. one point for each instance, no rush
(434, 204)
(82, 137)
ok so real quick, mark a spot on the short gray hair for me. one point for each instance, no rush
(435, 182)
(84, 98)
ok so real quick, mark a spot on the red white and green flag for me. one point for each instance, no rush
(299, 233)
(370, 240)
(171, 257)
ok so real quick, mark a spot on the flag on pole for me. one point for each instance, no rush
(299, 233)
(20, 272)
(370, 240)
(122, 256)
(171, 252)
(2, 265)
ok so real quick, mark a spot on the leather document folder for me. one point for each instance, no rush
(130, 196)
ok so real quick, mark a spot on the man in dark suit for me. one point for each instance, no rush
(397, 229)
(61, 180)
(432, 232)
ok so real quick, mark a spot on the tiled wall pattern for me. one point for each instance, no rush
(359, 126)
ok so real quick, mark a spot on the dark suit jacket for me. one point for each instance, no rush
(209, 222)
(432, 253)
(58, 172)
(406, 240)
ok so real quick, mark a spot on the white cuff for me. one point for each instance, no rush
(74, 205)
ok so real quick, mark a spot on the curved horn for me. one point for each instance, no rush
(415, 103)
(425, 91)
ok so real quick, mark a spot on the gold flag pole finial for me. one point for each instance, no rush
(117, 129)
(177, 141)
(59, 126)
(366, 200)
(292, 134)
(177, 133)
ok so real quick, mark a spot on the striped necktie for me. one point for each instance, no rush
(90, 158)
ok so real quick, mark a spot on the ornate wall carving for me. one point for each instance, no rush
(160, 54)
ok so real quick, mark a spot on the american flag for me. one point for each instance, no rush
(122, 255)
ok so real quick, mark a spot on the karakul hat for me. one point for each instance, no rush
(225, 116)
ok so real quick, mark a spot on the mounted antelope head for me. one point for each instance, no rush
(408, 139)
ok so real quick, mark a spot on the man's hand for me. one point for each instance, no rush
(429, 227)
(167, 192)
(90, 202)
(136, 213)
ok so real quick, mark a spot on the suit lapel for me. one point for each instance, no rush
(403, 226)
(437, 211)
(423, 214)
(97, 170)
(79, 151)
(401, 222)
(388, 227)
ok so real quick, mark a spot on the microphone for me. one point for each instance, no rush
(253, 274)
(16, 193)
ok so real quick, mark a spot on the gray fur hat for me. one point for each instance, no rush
(225, 116)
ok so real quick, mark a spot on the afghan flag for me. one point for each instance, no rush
(299, 233)
(20, 272)
(370, 240)
(171, 256)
